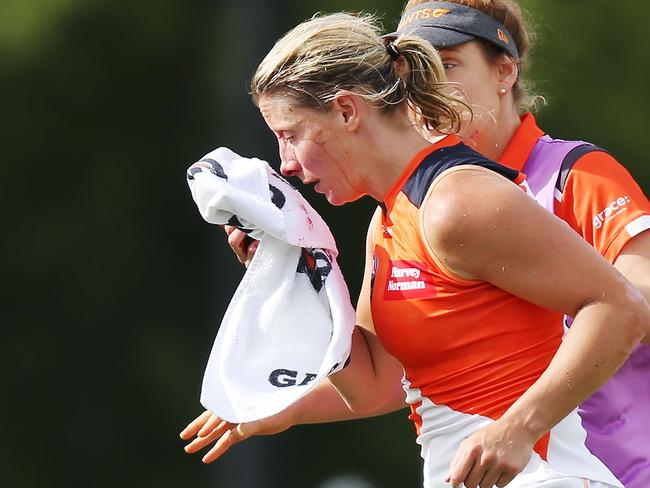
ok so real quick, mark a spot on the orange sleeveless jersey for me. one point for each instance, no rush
(468, 348)
(465, 344)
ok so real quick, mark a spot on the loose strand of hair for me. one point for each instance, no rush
(426, 88)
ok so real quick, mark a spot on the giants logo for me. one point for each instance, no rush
(316, 263)
(615, 208)
(288, 377)
(211, 165)
(425, 13)
(408, 280)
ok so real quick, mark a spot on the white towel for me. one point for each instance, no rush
(290, 321)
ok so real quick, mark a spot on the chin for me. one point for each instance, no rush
(338, 200)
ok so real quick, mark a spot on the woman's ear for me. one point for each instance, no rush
(347, 108)
(508, 72)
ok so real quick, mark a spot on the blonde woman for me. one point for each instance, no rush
(466, 275)
(483, 45)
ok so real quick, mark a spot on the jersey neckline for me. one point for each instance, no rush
(389, 199)
(521, 145)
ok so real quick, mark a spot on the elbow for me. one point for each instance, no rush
(635, 320)
(365, 405)
(376, 399)
(390, 398)
(644, 324)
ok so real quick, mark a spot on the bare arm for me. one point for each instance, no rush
(634, 263)
(512, 242)
(371, 384)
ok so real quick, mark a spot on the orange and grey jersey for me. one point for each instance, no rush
(586, 187)
(468, 348)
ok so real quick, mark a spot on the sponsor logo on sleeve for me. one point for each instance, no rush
(408, 280)
(613, 209)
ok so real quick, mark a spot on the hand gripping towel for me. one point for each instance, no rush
(289, 323)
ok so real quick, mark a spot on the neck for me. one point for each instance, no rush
(493, 139)
(392, 148)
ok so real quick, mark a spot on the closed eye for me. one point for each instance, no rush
(284, 135)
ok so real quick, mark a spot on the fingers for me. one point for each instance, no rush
(250, 252)
(209, 428)
(504, 479)
(242, 244)
(474, 476)
(200, 442)
(235, 434)
(212, 423)
(473, 467)
(460, 467)
(489, 479)
(196, 425)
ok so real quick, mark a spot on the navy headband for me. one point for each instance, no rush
(447, 24)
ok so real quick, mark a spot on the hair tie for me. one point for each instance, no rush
(392, 50)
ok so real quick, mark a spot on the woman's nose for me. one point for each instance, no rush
(289, 165)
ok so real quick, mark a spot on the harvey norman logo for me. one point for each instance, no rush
(425, 13)
(614, 208)
(408, 280)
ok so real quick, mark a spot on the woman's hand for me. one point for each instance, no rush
(208, 428)
(242, 244)
(491, 456)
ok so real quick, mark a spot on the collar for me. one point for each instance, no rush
(389, 198)
(522, 143)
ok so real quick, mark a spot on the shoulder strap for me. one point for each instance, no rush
(570, 160)
(440, 160)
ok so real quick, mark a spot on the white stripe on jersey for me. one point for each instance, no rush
(569, 461)
(638, 225)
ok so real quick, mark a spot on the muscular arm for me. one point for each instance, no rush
(507, 239)
(603, 203)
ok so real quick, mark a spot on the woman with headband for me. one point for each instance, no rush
(483, 44)
(466, 276)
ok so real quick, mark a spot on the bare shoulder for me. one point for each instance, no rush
(469, 210)
(468, 198)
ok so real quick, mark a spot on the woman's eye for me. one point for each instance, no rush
(447, 66)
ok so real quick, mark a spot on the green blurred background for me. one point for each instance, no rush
(113, 286)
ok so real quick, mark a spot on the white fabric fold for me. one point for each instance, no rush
(289, 323)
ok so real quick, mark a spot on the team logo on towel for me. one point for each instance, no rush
(316, 263)
(288, 377)
(211, 165)
(408, 280)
